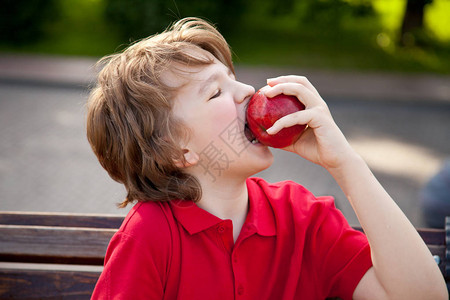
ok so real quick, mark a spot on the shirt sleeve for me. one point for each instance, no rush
(130, 271)
(342, 253)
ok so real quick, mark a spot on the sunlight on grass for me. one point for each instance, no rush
(437, 23)
(437, 18)
(390, 13)
(282, 39)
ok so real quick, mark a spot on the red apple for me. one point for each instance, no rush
(262, 112)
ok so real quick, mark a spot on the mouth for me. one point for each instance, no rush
(249, 135)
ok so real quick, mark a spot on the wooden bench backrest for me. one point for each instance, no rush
(57, 244)
(63, 254)
(61, 219)
(55, 238)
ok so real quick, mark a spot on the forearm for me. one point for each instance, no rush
(402, 262)
(403, 266)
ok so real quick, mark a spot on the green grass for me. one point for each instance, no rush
(80, 31)
(437, 19)
(284, 49)
(361, 44)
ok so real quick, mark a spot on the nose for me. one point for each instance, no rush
(243, 92)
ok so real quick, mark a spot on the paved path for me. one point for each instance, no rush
(399, 124)
(72, 71)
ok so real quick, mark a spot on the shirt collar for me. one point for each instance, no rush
(260, 211)
(195, 219)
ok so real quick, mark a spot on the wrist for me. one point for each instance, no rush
(350, 164)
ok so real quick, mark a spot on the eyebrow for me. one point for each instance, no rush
(210, 80)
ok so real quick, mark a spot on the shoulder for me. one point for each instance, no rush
(146, 229)
(145, 234)
(294, 207)
(147, 222)
(142, 247)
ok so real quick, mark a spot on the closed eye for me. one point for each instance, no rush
(217, 94)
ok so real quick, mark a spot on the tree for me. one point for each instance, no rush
(412, 25)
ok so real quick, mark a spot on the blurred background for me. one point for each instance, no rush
(383, 66)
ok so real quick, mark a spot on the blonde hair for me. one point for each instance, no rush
(129, 122)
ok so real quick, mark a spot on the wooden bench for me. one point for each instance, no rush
(52, 255)
(56, 255)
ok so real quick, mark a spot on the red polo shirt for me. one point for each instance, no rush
(291, 246)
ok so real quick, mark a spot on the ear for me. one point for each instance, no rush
(190, 159)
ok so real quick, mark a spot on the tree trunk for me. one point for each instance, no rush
(412, 20)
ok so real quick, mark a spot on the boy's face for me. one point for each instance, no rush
(212, 104)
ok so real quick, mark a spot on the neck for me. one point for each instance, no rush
(226, 199)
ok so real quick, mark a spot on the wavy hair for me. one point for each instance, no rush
(130, 126)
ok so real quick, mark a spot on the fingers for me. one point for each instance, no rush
(298, 118)
(316, 111)
(305, 95)
(293, 78)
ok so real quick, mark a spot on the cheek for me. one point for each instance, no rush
(210, 124)
(223, 113)
(221, 119)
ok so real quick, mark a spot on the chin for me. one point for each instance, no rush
(261, 163)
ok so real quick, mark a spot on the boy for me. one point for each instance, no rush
(157, 115)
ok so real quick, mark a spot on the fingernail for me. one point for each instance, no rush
(270, 130)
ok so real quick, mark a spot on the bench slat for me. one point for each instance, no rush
(54, 244)
(48, 284)
(60, 219)
(432, 236)
(80, 239)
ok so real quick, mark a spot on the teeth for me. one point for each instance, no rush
(255, 141)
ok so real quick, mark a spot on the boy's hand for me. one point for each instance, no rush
(322, 142)
(396, 247)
